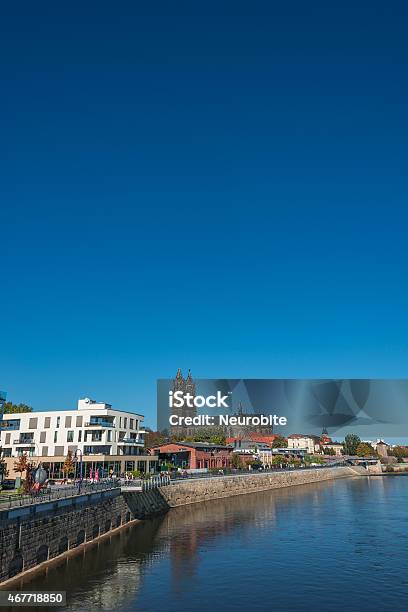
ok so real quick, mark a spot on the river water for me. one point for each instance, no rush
(331, 546)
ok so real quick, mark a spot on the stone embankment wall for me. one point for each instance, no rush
(38, 534)
(193, 491)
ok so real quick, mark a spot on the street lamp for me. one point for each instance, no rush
(78, 450)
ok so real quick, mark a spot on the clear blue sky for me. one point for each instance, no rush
(220, 186)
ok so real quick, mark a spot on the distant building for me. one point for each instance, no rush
(308, 443)
(336, 446)
(185, 386)
(325, 438)
(193, 455)
(382, 448)
(253, 437)
(242, 431)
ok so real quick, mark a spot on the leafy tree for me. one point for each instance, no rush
(313, 459)
(21, 464)
(236, 461)
(153, 438)
(280, 442)
(29, 480)
(365, 450)
(400, 452)
(351, 442)
(10, 408)
(329, 451)
(3, 469)
(69, 464)
(279, 459)
(214, 435)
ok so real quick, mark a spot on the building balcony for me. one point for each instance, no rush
(24, 441)
(97, 450)
(136, 441)
(100, 424)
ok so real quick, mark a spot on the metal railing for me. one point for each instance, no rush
(145, 484)
(55, 493)
(225, 472)
(162, 480)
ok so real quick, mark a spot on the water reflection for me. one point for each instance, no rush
(300, 543)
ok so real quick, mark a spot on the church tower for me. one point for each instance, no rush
(185, 386)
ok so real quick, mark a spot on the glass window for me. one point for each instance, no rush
(68, 420)
(80, 435)
(125, 422)
(42, 436)
(55, 436)
(130, 423)
(109, 435)
(58, 421)
(79, 421)
(47, 422)
(70, 436)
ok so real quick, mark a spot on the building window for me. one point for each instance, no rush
(45, 451)
(130, 423)
(80, 435)
(55, 436)
(58, 421)
(70, 436)
(125, 422)
(68, 420)
(79, 421)
(47, 422)
(109, 432)
(32, 423)
(8, 438)
(42, 436)
(59, 451)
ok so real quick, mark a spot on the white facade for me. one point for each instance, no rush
(299, 442)
(94, 428)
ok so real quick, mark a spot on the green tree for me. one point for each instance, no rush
(280, 442)
(153, 438)
(214, 435)
(400, 452)
(278, 460)
(351, 442)
(10, 408)
(236, 461)
(365, 450)
(329, 451)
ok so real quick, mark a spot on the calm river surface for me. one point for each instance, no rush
(340, 545)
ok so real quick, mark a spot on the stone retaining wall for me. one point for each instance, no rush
(194, 491)
(27, 541)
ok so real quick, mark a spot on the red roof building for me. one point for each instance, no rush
(193, 455)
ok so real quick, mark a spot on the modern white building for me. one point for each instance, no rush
(112, 440)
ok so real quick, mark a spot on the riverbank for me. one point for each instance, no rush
(34, 537)
(190, 492)
(306, 541)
